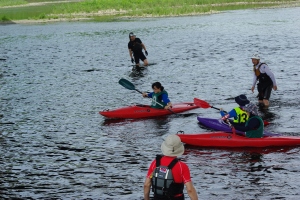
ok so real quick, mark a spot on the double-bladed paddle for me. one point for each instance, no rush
(127, 84)
(232, 127)
(203, 104)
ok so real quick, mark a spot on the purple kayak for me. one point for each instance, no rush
(220, 125)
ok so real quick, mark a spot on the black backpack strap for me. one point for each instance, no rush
(158, 157)
(170, 166)
(261, 65)
(173, 163)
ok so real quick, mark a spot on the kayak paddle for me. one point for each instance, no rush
(203, 104)
(232, 127)
(127, 84)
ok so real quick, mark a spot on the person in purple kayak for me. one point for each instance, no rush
(159, 97)
(254, 127)
(238, 114)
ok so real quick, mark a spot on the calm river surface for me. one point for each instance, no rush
(55, 78)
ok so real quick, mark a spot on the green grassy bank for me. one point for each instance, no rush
(108, 10)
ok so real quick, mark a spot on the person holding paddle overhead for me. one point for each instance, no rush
(159, 97)
(135, 47)
(238, 114)
(168, 175)
(266, 81)
(254, 127)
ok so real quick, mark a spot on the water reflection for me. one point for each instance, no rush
(138, 72)
(268, 115)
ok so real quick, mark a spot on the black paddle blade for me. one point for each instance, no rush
(127, 84)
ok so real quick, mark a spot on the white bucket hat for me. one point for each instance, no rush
(172, 146)
(255, 56)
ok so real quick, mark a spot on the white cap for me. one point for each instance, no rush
(255, 56)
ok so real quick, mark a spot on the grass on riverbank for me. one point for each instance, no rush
(107, 10)
(12, 3)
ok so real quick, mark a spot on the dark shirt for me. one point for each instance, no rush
(135, 45)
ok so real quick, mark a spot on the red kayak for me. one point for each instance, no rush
(144, 111)
(223, 139)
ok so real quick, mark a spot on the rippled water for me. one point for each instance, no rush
(55, 78)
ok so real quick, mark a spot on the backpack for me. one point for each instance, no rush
(162, 181)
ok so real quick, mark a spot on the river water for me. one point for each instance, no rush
(55, 78)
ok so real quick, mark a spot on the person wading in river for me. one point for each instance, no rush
(135, 47)
(266, 81)
(167, 174)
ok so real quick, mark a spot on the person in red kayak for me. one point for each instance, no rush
(167, 174)
(254, 127)
(159, 97)
(238, 114)
(266, 81)
(135, 47)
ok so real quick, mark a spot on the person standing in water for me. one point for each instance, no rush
(135, 48)
(266, 81)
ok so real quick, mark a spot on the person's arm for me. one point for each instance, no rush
(130, 53)
(232, 113)
(149, 95)
(147, 186)
(267, 70)
(222, 112)
(144, 47)
(166, 100)
(253, 82)
(191, 190)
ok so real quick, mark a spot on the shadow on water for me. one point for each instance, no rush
(138, 72)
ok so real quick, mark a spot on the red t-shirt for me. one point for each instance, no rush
(181, 172)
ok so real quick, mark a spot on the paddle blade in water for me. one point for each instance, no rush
(200, 103)
(127, 84)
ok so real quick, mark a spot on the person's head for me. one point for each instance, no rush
(131, 36)
(241, 100)
(251, 108)
(172, 146)
(255, 59)
(157, 87)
